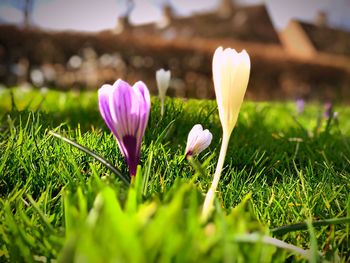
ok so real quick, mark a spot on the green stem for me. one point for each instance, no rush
(161, 107)
(209, 198)
(303, 226)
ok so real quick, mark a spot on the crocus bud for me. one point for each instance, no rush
(198, 140)
(230, 74)
(163, 80)
(125, 110)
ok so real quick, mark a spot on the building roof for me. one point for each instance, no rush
(245, 23)
(326, 39)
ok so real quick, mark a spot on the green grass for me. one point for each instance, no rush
(57, 202)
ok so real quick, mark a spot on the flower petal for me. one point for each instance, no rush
(121, 102)
(203, 141)
(103, 103)
(144, 105)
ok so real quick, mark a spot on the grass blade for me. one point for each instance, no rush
(106, 163)
(255, 237)
(303, 226)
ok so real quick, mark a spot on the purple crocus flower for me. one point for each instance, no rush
(125, 110)
(300, 105)
(328, 110)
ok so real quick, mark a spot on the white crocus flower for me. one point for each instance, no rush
(198, 140)
(230, 74)
(163, 80)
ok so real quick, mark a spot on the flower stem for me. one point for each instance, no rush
(162, 108)
(209, 198)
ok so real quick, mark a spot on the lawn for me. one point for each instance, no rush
(59, 203)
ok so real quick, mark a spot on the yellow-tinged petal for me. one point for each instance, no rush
(230, 74)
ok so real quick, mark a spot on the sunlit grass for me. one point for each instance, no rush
(281, 168)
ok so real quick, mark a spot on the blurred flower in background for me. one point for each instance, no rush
(328, 110)
(163, 80)
(300, 105)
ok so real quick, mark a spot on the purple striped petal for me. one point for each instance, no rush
(144, 99)
(103, 103)
(120, 101)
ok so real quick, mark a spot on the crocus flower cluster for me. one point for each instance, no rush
(198, 140)
(125, 110)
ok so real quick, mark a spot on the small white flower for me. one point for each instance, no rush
(163, 80)
(44, 90)
(198, 139)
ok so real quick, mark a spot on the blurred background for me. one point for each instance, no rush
(299, 49)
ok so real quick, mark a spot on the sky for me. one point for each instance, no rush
(94, 15)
